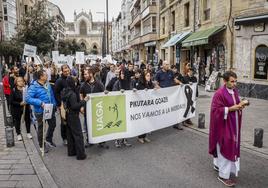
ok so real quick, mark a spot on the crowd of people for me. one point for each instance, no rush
(28, 87)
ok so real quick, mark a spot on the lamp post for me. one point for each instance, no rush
(104, 51)
(107, 26)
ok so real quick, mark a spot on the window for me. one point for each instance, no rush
(186, 14)
(154, 24)
(173, 21)
(83, 28)
(206, 8)
(162, 4)
(261, 62)
(163, 25)
(5, 10)
(25, 9)
(5, 18)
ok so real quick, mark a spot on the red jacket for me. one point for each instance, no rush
(6, 85)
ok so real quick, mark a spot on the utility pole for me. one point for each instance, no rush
(107, 27)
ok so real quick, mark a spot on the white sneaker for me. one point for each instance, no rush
(19, 137)
(29, 136)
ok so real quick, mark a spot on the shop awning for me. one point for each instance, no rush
(251, 19)
(201, 37)
(176, 39)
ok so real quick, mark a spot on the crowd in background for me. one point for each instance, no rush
(28, 87)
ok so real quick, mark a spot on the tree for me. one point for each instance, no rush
(9, 49)
(68, 47)
(36, 29)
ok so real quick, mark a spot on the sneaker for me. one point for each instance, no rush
(19, 137)
(65, 142)
(147, 140)
(46, 149)
(51, 144)
(141, 140)
(29, 136)
(117, 144)
(216, 168)
(82, 157)
(124, 141)
(103, 145)
(188, 122)
(227, 182)
(178, 126)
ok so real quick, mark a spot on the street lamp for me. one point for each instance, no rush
(104, 51)
(107, 25)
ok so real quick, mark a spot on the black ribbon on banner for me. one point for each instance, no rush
(189, 93)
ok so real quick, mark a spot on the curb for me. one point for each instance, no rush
(38, 164)
(244, 146)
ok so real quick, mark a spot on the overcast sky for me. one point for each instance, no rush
(68, 6)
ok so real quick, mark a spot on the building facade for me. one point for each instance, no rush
(87, 33)
(143, 29)
(9, 19)
(250, 46)
(58, 21)
(24, 7)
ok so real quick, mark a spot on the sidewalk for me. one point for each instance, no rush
(21, 165)
(254, 116)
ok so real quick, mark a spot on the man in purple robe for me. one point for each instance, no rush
(225, 126)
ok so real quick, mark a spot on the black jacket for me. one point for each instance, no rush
(59, 86)
(15, 100)
(72, 101)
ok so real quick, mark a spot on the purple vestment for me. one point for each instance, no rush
(223, 131)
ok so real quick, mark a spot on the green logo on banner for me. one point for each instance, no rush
(108, 115)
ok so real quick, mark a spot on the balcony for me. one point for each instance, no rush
(135, 20)
(135, 41)
(152, 9)
(148, 37)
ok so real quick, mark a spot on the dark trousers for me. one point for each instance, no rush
(142, 136)
(75, 141)
(8, 101)
(17, 119)
(63, 129)
(50, 130)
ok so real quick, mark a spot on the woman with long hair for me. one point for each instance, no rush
(144, 84)
(120, 85)
(73, 105)
(18, 105)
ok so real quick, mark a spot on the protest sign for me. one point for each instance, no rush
(80, 58)
(29, 50)
(129, 114)
(55, 56)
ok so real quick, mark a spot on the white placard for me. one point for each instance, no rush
(48, 109)
(80, 58)
(29, 50)
(55, 56)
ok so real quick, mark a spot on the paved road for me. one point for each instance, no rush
(172, 159)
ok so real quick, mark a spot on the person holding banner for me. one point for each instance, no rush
(40, 93)
(17, 107)
(91, 85)
(145, 83)
(225, 129)
(121, 84)
(73, 105)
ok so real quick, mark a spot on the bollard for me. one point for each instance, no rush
(201, 121)
(10, 136)
(258, 137)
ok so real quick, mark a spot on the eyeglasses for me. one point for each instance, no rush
(233, 81)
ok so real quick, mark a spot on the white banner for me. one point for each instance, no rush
(80, 58)
(130, 114)
(55, 56)
(29, 50)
